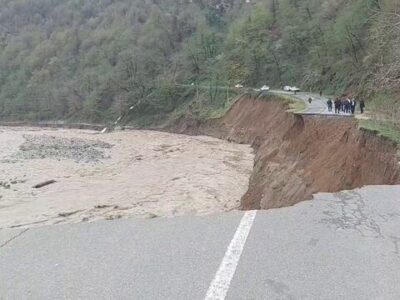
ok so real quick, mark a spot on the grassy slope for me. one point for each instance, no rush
(384, 129)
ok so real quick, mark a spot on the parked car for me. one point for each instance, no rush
(264, 88)
(295, 89)
(238, 86)
(287, 88)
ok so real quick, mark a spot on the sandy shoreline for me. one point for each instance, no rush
(132, 173)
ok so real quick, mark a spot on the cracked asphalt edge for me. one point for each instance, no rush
(13, 238)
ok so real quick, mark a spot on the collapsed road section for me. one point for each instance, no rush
(298, 156)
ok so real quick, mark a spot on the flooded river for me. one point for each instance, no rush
(115, 175)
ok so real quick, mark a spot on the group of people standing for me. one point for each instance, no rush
(345, 105)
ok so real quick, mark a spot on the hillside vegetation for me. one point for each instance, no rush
(92, 59)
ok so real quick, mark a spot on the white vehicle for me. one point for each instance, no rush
(295, 89)
(238, 86)
(288, 88)
(264, 88)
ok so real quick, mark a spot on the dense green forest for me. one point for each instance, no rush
(92, 59)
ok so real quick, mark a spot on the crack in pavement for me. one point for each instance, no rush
(353, 215)
(13, 238)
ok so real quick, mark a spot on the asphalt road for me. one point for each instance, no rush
(341, 246)
(318, 106)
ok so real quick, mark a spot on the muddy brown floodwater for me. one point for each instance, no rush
(108, 176)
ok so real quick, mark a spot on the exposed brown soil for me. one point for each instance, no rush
(297, 156)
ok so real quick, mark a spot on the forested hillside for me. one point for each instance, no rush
(91, 59)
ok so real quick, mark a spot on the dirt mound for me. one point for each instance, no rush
(297, 156)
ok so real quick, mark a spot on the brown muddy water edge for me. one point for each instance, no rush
(56, 176)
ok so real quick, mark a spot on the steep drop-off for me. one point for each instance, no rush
(297, 156)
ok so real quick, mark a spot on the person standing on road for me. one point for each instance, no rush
(353, 105)
(329, 103)
(338, 103)
(362, 106)
(344, 103)
(348, 105)
(309, 100)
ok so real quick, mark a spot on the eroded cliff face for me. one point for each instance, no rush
(297, 156)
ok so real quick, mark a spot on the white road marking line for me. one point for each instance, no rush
(220, 285)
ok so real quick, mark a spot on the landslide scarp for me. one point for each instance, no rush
(298, 156)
